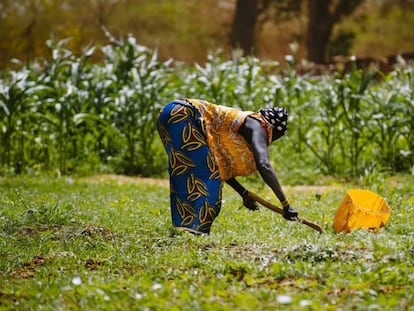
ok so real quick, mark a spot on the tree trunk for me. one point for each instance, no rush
(243, 34)
(319, 30)
(323, 15)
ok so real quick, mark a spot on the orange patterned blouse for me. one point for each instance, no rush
(230, 150)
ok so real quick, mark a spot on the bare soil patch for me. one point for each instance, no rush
(122, 179)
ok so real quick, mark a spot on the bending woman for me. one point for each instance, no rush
(208, 144)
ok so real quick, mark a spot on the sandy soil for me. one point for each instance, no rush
(121, 179)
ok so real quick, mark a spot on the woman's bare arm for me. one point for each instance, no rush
(256, 136)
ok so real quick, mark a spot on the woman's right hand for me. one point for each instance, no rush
(290, 213)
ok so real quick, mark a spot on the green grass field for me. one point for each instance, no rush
(98, 244)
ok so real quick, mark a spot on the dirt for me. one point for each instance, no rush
(122, 179)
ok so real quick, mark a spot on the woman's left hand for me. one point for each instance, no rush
(250, 203)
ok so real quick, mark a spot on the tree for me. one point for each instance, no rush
(322, 17)
(102, 9)
(243, 35)
(250, 15)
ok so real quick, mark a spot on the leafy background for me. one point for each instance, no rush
(190, 30)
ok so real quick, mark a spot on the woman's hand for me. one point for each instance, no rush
(289, 213)
(247, 201)
(250, 203)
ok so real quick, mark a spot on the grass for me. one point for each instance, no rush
(83, 244)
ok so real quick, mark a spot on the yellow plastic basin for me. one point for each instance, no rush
(361, 209)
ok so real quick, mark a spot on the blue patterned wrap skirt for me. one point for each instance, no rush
(195, 184)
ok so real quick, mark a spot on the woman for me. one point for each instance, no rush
(208, 144)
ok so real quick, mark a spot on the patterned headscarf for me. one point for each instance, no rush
(277, 117)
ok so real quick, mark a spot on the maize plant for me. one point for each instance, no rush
(142, 82)
(67, 114)
(15, 92)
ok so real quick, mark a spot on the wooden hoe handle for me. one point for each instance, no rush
(276, 209)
